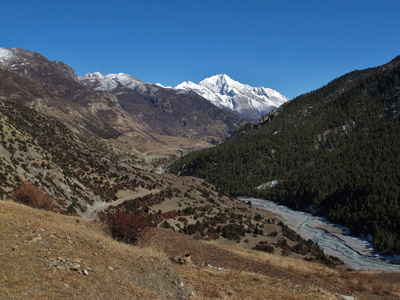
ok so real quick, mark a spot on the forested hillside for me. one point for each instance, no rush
(336, 148)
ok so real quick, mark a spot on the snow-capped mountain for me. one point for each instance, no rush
(248, 102)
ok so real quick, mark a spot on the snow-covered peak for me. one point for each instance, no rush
(109, 82)
(219, 80)
(249, 102)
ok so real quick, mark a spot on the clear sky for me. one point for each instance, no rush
(291, 46)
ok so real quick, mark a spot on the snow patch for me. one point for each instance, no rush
(270, 184)
(6, 56)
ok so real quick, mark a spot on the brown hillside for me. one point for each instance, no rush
(48, 256)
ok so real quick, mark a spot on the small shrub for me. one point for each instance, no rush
(273, 234)
(32, 196)
(165, 225)
(126, 226)
(286, 250)
(263, 246)
(233, 231)
(197, 235)
(213, 235)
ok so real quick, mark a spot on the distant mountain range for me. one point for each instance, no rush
(143, 118)
(248, 102)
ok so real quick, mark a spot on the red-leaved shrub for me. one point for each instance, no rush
(263, 246)
(126, 226)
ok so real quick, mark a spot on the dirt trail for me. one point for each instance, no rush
(92, 211)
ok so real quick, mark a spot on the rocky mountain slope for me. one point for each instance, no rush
(146, 119)
(250, 103)
(334, 149)
(167, 112)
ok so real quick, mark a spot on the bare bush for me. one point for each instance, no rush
(33, 196)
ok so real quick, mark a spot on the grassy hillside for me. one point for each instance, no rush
(49, 256)
(335, 148)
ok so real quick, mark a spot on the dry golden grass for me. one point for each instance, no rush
(230, 275)
(369, 284)
(33, 242)
(248, 274)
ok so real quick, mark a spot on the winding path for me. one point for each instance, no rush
(92, 211)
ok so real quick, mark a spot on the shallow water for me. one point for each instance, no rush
(354, 252)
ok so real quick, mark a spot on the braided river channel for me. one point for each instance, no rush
(356, 253)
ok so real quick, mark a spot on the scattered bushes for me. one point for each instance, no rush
(32, 196)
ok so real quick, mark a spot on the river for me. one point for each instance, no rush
(354, 252)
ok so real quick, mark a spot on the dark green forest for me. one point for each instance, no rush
(336, 148)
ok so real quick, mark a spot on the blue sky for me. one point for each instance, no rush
(291, 46)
